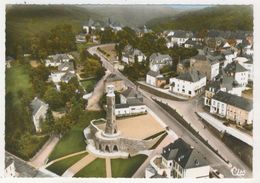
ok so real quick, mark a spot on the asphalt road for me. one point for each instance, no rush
(214, 160)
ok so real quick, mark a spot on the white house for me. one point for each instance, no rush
(131, 103)
(131, 108)
(239, 73)
(248, 65)
(9, 168)
(64, 74)
(56, 60)
(179, 37)
(155, 78)
(129, 55)
(178, 160)
(188, 84)
(158, 61)
(39, 110)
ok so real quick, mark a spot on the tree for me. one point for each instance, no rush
(53, 98)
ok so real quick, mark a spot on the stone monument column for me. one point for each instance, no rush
(111, 127)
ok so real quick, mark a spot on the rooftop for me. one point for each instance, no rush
(234, 100)
(36, 104)
(234, 67)
(191, 76)
(185, 155)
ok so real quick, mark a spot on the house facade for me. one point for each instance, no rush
(39, 110)
(155, 79)
(206, 64)
(178, 160)
(131, 103)
(158, 61)
(232, 107)
(238, 72)
(9, 168)
(188, 84)
(130, 54)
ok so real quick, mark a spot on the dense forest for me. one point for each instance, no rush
(239, 17)
(24, 22)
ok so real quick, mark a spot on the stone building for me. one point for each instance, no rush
(110, 140)
(232, 107)
(206, 64)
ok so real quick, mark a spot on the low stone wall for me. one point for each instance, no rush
(158, 93)
(117, 143)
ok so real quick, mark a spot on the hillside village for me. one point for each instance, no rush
(139, 98)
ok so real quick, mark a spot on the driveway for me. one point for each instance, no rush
(93, 101)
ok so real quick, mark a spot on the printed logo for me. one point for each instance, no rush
(237, 172)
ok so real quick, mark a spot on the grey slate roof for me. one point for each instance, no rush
(8, 161)
(130, 51)
(23, 169)
(159, 57)
(66, 66)
(129, 92)
(60, 57)
(120, 106)
(182, 34)
(153, 73)
(67, 76)
(213, 84)
(185, 155)
(212, 59)
(36, 105)
(191, 76)
(234, 100)
(234, 67)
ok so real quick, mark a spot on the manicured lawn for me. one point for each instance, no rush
(74, 140)
(17, 78)
(89, 85)
(61, 166)
(126, 167)
(97, 168)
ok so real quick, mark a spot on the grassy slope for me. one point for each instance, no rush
(74, 140)
(97, 168)
(24, 21)
(17, 79)
(61, 166)
(218, 17)
(126, 167)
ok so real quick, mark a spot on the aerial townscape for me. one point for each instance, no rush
(160, 91)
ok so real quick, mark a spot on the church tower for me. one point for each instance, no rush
(111, 127)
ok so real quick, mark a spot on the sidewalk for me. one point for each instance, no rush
(64, 157)
(222, 128)
(42, 155)
(108, 168)
(70, 172)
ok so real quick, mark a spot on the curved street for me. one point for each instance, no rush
(172, 123)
